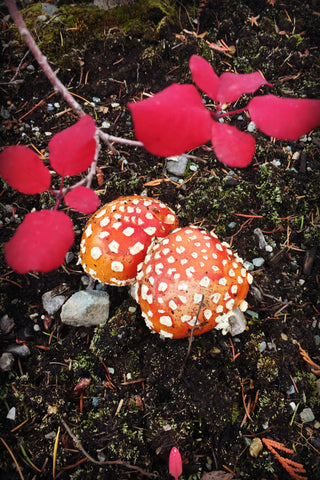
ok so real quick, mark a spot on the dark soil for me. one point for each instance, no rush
(116, 56)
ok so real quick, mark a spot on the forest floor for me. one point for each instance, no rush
(233, 390)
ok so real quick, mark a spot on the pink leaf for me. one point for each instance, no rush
(284, 118)
(82, 199)
(24, 170)
(172, 121)
(40, 242)
(175, 463)
(233, 85)
(232, 147)
(72, 151)
(204, 76)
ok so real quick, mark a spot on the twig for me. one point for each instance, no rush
(107, 462)
(13, 458)
(191, 339)
(52, 77)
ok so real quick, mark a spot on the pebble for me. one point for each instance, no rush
(177, 165)
(11, 415)
(258, 262)
(51, 302)
(262, 346)
(48, 8)
(6, 324)
(22, 351)
(69, 257)
(307, 415)
(251, 127)
(6, 362)
(256, 447)
(30, 68)
(317, 340)
(86, 308)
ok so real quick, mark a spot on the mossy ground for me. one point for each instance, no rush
(116, 56)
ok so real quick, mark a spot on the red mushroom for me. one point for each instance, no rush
(116, 237)
(190, 279)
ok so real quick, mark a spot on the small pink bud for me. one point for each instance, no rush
(175, 463)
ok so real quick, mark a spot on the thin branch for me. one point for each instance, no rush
(52, 77)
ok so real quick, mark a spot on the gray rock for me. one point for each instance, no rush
(177, 165)
(53, 300)
(307, 415)
(6, 362)
(48, 8)
(258, 262)
(86, 308)
(11, 415)
(22, 351)
(6, 324)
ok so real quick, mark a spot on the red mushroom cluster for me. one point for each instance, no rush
(116, 237)
(185, 281)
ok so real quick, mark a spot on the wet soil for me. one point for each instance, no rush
(231, 390)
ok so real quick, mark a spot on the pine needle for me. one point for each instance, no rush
(55, 449)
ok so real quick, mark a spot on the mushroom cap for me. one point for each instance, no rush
(188, 277)
(116, 237)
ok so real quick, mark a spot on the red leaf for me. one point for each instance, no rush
(232, 147)
(82, 199)
(175, 463)
(172, 121)
(233, 85)
(24, 170)
(40, 242)
(229, 86)
(72, 151)
(284, 118)
(204, 76)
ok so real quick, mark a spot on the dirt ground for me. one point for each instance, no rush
(232, 390)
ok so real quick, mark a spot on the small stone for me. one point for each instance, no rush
(22, 351)
(307, 415)
(48, 8)
(6, 324)
(284, 336)
(69, 257)
(6, 362)
(177, 165)
(251, 127)
(262, 346)
(293, 406)
(317, 340)
(30, 68)
(256, 447)
(51, 301)
(86, 308)
(258, 262)
(232, 225)
(11, 415)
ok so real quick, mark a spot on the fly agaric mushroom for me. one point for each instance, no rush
(191, 280)
(116, 237)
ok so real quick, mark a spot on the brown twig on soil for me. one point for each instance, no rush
(307, 359)
(13, 458)
(52, 77)
(190, 340)
(293, 468)
(107, 462)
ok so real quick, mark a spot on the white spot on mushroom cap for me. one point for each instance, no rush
(207, 314)
(88, 230)
(136, 248)
(150, 230)
(204, 282)
(166, 334)
(114, 246)
(103, 234)
(101, 213)
(180, 250)
(128, 231)
(166, 320)
(117, 266)
(190, 271)
(185, 318)
(234, 289)
(104, 222)
(149, 216)
(230, 304)
(162, 287)
(216, 297)
(222, 281)
(172, 304)
(169, 219)
(197, 298)
(183, 299)
(158, 268)
(95, 253)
